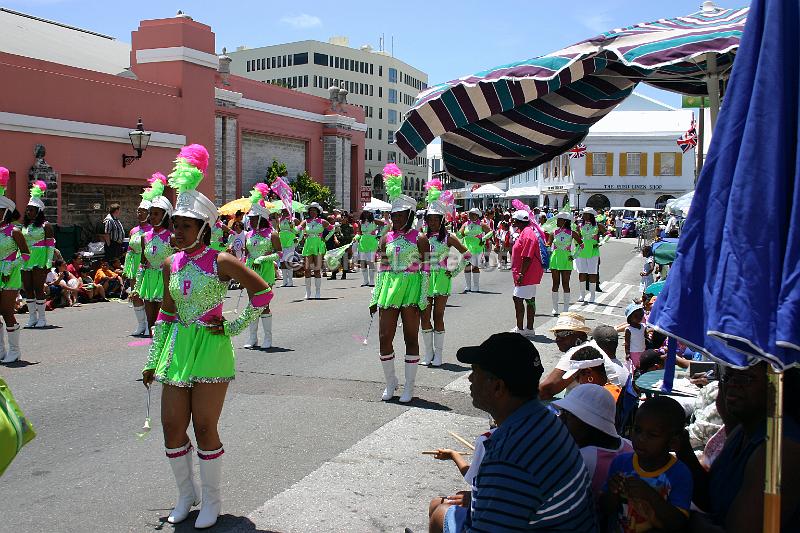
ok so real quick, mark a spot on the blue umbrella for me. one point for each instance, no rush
(734, 289)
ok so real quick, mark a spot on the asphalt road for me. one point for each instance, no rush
(309, 445)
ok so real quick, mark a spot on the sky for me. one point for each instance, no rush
(444, 38)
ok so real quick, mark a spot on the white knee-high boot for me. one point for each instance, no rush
(308, 288)
(266, 323)
(14, 352)
(438, 348)
(210, 478)
(467, 281)
(476, 281)
(33, 315)
(40, 305)
(252, 340)
(592, 288)
(554, 296)
(582, 290)
(317, 288)
(180, 460)
(371, 268)
(387, 361)
(427, 339)
(141, 320)
(365, 275)
(2, 342)
(411, 376)
(567, 301)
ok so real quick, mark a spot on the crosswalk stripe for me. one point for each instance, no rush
(607, 291)
(617, 299)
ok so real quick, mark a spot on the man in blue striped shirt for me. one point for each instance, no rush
(532, 477)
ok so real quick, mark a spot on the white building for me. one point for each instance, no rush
(632, 160)
(382, 85)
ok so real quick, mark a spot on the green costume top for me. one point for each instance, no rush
(259, 246)
(156, 247)
(401, 281)
(589, 237)
(561, 258)
(473, 234)
(133, 257)
(314, 244)
(10, 258)
(287, 231)
(218, 237)
(368, 240)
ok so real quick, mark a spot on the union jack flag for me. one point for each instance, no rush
(577, 151)
(688, 140)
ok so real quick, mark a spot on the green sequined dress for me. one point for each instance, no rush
(401, 281)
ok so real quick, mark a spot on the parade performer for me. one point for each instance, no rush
(14, 253)
(368, 230)
(218, 234)
(561, 258)
(133, 262)
(588, 255)
(156, 247)
(475, 234)
(314, 248)
(192, 355)
(287, 231)
(401, 287)
(440, 284)
(42, 244)
(263, 250)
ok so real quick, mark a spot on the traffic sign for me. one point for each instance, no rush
(366, 195)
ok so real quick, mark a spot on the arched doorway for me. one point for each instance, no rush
(632, 202)
(661, 201)
(565, 200)
(555, 205)
(546, 202)
(598, 202)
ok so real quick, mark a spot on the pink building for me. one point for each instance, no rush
(73, 92)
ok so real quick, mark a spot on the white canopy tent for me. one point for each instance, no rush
(488, 190)
(377, 205)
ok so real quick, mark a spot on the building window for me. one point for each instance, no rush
(392, 75)
(380, 134)
(390, 136)
(248, 66)
(369, 133)
(301, 59)
(392, 116)
(380, 70)
(391, 157)
(289, 58)
(370, 89)
(392, 96)
(379, 155)
(632, 164)
(371, 69)
(599, 164)
(668, 164)
(305, 81)
(380, 113)
(436, 165)
(320, 59)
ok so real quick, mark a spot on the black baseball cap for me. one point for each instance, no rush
(509, 356)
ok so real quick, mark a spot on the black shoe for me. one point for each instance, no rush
(333, 277)
(598, 289)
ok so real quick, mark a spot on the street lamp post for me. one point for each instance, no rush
(139, 140)
(578, 191)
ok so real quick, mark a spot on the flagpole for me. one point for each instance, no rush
(700, 140)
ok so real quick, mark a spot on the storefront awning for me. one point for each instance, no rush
(522, 192)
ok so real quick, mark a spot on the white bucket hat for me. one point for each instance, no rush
(570, 321)
(475, 211)
(592, 405)
(521, 215)
(590, 211)
(313, 205)
(564, 216)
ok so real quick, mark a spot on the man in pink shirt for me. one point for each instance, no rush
(527, 271)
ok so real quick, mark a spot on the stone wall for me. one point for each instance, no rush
(336, 167)
(226, 159)
(258, 151)
(87, 205)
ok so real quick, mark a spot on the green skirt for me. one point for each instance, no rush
(266, 270)
(132, 262)
(14, 282)
(440, 283)
(218, 246)
(192, 354)
(314, 246)
(559, 260)
(367, 244)
(152, 286)
(402, 289)
(474, 245)
(288, 238)
(38, 258)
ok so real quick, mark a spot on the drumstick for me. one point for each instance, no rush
(434, 452)
(462, 440)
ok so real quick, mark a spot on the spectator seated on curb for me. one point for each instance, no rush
(108, 279)
(588, 411)
(62, 286)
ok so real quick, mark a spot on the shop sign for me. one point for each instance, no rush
(632, 187)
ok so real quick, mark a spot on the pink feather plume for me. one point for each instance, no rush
(392, 170)
(40, 184)
(158, 176)
(4, 176)
(434, 184)
(262, 188)
(196, 155)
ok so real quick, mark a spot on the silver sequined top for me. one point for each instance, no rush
(195, 290)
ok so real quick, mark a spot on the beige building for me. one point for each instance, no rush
(382, 85)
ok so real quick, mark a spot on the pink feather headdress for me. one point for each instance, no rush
(196, 155)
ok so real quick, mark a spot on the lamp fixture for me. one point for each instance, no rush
(139, 140)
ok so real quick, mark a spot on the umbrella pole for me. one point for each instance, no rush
(712, 83)
(772, 481)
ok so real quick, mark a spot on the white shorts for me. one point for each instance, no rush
(586, 265)
(287, 254)
(475, 260)
(526, 292)
(368, 257)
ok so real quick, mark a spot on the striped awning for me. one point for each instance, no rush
(509, 119)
